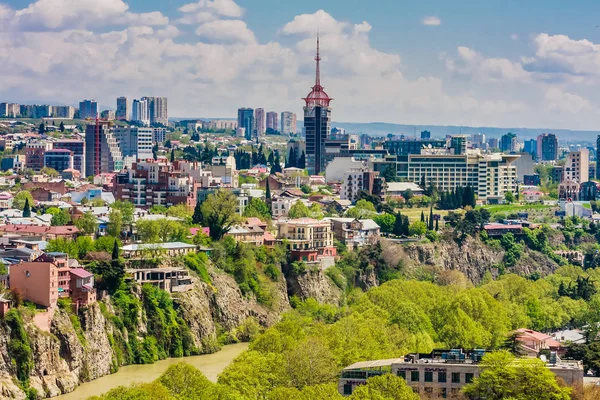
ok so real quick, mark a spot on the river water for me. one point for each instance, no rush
(210, 364)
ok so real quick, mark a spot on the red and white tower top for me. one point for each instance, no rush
(317, 97)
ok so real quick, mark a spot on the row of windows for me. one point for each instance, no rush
(441, 377)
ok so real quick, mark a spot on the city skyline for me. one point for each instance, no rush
(540, 74)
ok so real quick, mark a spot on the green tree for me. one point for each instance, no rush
(219, 212)
(509, 197)
(26, 209)
(505, 377)
(386, 222)
(306, 189)
(172, 156)
(257, 208)
(298, 210)
(42, 129)
(60, 218)
(51, 172)
(115, 251)
(310, 363)
(181, 211)
(384, 387)
(87, 223)
(197, 216)
(362, 209)
(417, 228)
(62, 126)
(430, 227)
(20, 198)
(127, 210)
(267, 190)
(115, 223)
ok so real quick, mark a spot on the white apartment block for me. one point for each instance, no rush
(220, 124)
(577, 167)
(67, 112)
(491, 175)
(280, 207)
(135, 142)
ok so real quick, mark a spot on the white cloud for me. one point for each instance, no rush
(197, 18)
(226, 31)
(311, 23)
(471, 64)
(226, 8)
(562, 101)
(431, 21)
(514, 36)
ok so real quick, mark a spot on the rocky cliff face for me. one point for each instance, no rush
(473, 259)
(314, 283)
(79, 349)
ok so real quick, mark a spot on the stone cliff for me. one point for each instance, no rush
(82, 348)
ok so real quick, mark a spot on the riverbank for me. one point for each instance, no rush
(210, 365)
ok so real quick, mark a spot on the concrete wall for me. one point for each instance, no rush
(36, 282)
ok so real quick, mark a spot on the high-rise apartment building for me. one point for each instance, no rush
(531, 146)
(10, 110)
(77, 147)
(158, 111)
(317, 122)
(102, 152)
(140, 112)
(577, 166)
(547, 147)
(123, 109)
(135, 142)
(42, 111)
(598, 157)
(26, 110)
(108, 115)
(159, 135)
(59, 159)
(493, 143)
(67, 112)
(260, 123)
(246, 121)
(478, 140)
(288, 123)
(88, 109)
(508, 142)
(272, 121)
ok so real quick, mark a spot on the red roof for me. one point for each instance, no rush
(81, 273)
(53, 230)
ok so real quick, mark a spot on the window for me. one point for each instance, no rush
(347, 389)
(443, 393)
(428, 376)
(401, 374)
(414, 376)
(442, 377)
(456, 377)
(468, 378)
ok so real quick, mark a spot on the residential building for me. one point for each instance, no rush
(272, 121)
(152, 182)
(534, 342)
(288, 123)
(158, 111)
(88, 109)
(135, 142)
(525, 165)
(598, 157)
(171, 249)
(246, 121)
(26, 110)
(108, 115)
(140, 112)
(260, 121)
(224, 169)
(547, 147)
(425, 135)
(42, 111)
(123, 109)
(478, 140)
(493, 143)
(531, 147)
(34, 154)
(159, 135)
(173, 280)
(442, 373)
(77, 147)
(59, 159)
(81, 286)
(251, 234)
(508, 142)
(307, 239)
(498, 229)
(66, 112)
(102, 152)
(42, 232)
(280, 206)
(361, 179)
(577, 166)
(338, 167)
(36, 282)
(9, 110)
(354, 232)
(458, 144)
(491, 175)
(317, 122)
(222, 124)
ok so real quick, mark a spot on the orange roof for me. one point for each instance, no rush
(36, 229)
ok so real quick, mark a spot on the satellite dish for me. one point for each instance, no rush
(429, 146)
(543, 358)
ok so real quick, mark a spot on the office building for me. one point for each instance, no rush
(58, 159)
(425, 135)
(493, 143)
(404, 147)
(272, 121)
(140, 112)
(317, 122)
(67, 112)
(77, 147)
(102, 152)
(246, 121)
(260, 121)
(547, 147)
(458, 144)
(491, 175)
(135, 142)
(123, 109)
(107, 115)
(442, 373)
(88, 109)
(288, 123)
(157, 109)
(531, 147)
(508, 142)
(478, 140)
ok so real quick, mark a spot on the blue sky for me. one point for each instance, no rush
(493, 63)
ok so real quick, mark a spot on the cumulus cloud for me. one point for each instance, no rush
(472, 64)
(226, 31)
(227, 8)
(431, 21)
(309, 23)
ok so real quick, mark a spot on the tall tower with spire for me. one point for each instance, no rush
(317, 121)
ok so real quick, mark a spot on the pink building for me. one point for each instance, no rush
(533, 342)
(82, 287)
(36, 282)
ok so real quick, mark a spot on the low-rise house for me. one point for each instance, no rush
(168, 279)
(81, 285)
(397, 189)
(35, 281)
(42, 232)
(171, 249)
(307, 239)
(250, 234)
(280, 206)
(532, 196)
(354, 232)
(533, 342)
(502, 229)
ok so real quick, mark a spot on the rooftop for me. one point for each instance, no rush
(153, 246)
